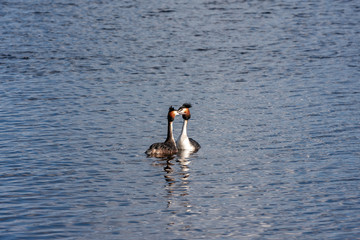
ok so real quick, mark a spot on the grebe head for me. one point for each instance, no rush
(172, 113)
(184, 111)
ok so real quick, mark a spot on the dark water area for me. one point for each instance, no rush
(85, 87)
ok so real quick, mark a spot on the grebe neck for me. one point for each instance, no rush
(184, 128)
(170, 137)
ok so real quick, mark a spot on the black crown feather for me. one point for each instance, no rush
(186, 105)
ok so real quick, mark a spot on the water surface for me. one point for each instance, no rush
(85, 89)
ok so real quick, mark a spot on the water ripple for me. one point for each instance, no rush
(85, 89)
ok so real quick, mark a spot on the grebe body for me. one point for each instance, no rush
(184, 142)
(169, 146)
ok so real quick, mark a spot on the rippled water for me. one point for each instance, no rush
(85, 88)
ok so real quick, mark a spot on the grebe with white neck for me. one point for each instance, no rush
(184, 142)
(169, 146)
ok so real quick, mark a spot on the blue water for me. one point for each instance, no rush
(85, 88)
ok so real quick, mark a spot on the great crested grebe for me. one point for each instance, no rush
(169, 146)
(183, 142)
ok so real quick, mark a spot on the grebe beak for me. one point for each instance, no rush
(181, 111)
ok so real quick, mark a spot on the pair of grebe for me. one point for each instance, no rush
(170, 147)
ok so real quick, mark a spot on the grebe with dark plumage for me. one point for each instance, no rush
(183, 142)
(169, 146)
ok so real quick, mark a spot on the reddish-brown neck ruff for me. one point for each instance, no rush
(186, 114)
(171, 116)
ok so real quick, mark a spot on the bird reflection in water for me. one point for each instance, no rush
(177, 180)
(177, 186)
(176, 175)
